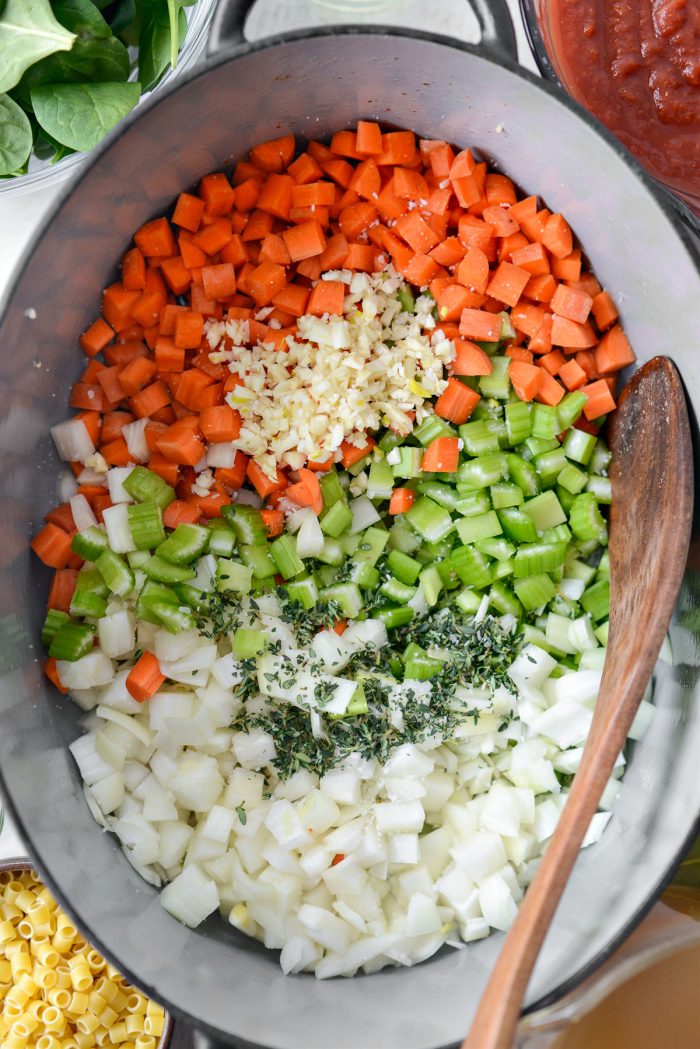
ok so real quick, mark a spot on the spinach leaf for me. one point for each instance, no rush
(95, 56)
(15, 136)
(80, 115)
(155, 41)
(28, 33)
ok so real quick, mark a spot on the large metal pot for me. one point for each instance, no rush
(312, 83)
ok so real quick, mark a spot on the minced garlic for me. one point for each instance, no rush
(340, 378)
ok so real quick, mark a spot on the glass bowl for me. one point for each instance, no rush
(43, 174)
(537, 16)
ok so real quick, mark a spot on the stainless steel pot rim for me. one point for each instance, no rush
(668, 211)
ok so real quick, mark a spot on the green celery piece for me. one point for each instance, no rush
(535, 591)
(174, 618)
(431, 427)
(601, 488)
(222, 538)
(331, 489)
(404, 568)
(443, 494)
(89, 543)
(585, 519)
(473, 503)
(349, 543)
(303, 591)
(146, 524)
(326, 575)
(557, 632)
(396, 591)
(259, 559)
(569, 409)
(145, 486)
(371, 546)
(573, 479)
(401, 538)
(517, 525)
(578, 446)
(601, 633)
(575, 569)
(418, 665)
(409, 464)
(522, 473)
(545, 510)
(247, 643)
(365, 575)
(154, 594)
(483, 471)
(380, 481)
(394, 616)
(504, 600)
(468, 601)
(429, 520)
(538, 445)
(331, 553)
(164, 572)
(506, 494)
(604, 565)
(483, 435)
(336, 520)
(518, 421)
(498, 548)
(485, 526)
(231, 575)
(431, 584)
(565, 497)
(184, 545)
(389, 440)
(450, 579)
(247, 523)
(538, 558)
(549, 465)
(406, 298)
(596, 600)
(284, 553)
(545, 422)
(600, 459)
(502, 569)
(348, 597)
(471, 566)
(52, 623)
(429, 552)
(116, 573)
(72, 641)
(497, 384)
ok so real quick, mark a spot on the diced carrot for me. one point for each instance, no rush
(499, 189)
(190, 386)
(398, 147)
(117, 302)
(275, 196)
(155, 239)
(168, 356)
(62, 589)
(181, 443)
(480, 325)
(532, 258)
(219, 281)
(416, 232)
(263, 484)
(305, 240)
(600, 399)
(211, 504)
(265, 281)
(449, 252)
(306, 491)
(438, 155)
(189, 327)
(188, 212)
(304, 169)
(541, 289)
(553, 361)
(369, 138)
(442, 454)
(574, 305)
(97, 336)
(339, 170)
(550, 391)
(420, 270)
(136, 374)
(557, 236)
(473, 231)
(51, 672)
(52, 546)
(586, 360)
(365, 257)
(604, 310)
(180, 512)
(274, 155)
(145, 678)
(470, 359)
(451, 301)
(568, 268)
(526, 379)
(273, 521)
(541, 341)
(572, 335)
(402, 499)
(614, 352)
(217, 193)
(572, 374)
(501, 219)
(508, 283)
(327, 296)
(150, 400)
(62, 517)
(351, 454)
(234, 476)
(456, 402)
(519, 353)
(88, 397)
(344, 143)
(473, 270)
(114, 423)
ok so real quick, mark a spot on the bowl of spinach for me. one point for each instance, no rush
(70, 70)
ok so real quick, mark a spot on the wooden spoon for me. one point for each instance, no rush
(650, 519)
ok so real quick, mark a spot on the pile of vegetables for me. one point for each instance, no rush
(65, 69)
(339, 694)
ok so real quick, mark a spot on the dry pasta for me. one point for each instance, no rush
(56, 991)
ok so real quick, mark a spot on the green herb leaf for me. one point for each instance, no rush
(15, 136)
(80, 115)
(156, 41)
(28, 33)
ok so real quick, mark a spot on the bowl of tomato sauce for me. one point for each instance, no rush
(634, 64)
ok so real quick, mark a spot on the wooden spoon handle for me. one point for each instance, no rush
(650, 531)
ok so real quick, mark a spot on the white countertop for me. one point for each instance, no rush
(21, 214)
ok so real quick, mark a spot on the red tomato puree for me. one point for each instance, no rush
(636, 65)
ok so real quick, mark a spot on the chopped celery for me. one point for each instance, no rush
(596, 600)
(336, 520)
(484, 526)
(504, 600)
(573, 479)
(517, 525)
(371, 545)
(440, 493)
(468, 600)
(534, 591)
(145, 486)
(406, 569)
(303, 591)
(569, 409)
(222, 538)
(429, 520)
(601, 633)
(247, 523)
(600, 459)
(518, 421)
(483, 435)
(499, 549)
(431, 427)
(259, 559)
(154, 595)
(549, 465)
(403, 538)
(146, 524)
(53, 622)
(89, 543)
(231, 575)
(545, 422)
(72, 641)
(545, 510)
(165, 572)
(247, 643)
(601, 487)
(537, 558)
(497, 384)
(506, 494)
(418, 665)
(579, 446)
(348, 597)
(472, 504)
(115, 572)
(396, 591)
(331, 488)
(585, 518)
(409, 464)
(284, 554)
(380, 481)
(393, 617)
(365, 575)
(484, 471)
(184, 545)
(406, 298)
(471, 566)
(522, 473)
(431, 584)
